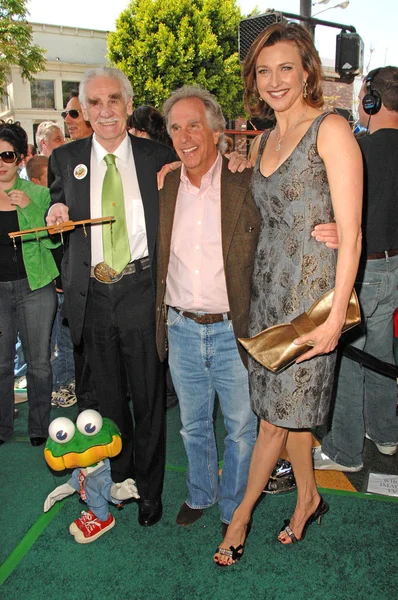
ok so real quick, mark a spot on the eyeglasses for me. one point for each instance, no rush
(9, 156)
(73, 113)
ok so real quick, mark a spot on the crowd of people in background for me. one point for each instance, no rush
(226, 249)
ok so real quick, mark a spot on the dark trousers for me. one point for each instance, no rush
(84, 386)
(119, 338)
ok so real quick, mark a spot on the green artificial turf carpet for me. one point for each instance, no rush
(351, 556)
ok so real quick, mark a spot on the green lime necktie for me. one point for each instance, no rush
(115, 239)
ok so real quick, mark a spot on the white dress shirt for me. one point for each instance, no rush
(135, 217)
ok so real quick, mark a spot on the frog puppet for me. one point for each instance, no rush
(86, 448)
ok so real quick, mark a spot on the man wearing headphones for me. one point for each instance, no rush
(365, 402)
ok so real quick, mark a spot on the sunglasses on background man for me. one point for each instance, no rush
(73, 113)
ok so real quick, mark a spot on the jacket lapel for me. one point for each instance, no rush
(232, 196)
(149, 193)
(81, 200)
(168, 200)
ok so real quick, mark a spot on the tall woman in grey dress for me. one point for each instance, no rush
(308, 171)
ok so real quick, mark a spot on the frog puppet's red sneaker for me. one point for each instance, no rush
(88, 528)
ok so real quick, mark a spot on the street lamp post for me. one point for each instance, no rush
(305, 11)
(339, 5)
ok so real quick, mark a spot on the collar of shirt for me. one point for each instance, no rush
(122, 152)
(212, 177)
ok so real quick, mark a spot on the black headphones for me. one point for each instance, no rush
(371, 102)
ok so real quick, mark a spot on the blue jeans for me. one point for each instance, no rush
(62, 362)
(366, 401)
(204, 360)
(32, 314)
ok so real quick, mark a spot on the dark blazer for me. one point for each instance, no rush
(240, 228)
(149, 157)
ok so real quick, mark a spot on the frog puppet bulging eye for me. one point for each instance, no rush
(89, 422)
(61, 430)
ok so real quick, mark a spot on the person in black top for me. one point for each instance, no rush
(365, 401)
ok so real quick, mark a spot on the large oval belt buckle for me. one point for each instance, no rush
(105, 274)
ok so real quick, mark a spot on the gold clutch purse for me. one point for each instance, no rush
(274, 347)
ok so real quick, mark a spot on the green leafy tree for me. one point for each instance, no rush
(16, 46)
(163, 44)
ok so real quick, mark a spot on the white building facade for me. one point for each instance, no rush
(69, 52)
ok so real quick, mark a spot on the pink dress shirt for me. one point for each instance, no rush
(196, 276)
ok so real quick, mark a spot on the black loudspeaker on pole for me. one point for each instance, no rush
(349, 55)
(251, 27)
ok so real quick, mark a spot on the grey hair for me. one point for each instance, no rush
(215, 118)
(111, 72)
(44, 131)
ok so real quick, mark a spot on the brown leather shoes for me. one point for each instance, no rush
(187, 515)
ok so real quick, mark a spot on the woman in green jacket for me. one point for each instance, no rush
(27, 291)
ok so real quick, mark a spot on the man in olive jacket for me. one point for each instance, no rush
(208, 231)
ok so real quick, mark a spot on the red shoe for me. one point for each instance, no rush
(79, 523)
(88, 528)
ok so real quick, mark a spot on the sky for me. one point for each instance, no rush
(375, 21)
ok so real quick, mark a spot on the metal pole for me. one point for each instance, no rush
(305, 11)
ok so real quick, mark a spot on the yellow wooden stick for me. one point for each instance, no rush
(61, 227)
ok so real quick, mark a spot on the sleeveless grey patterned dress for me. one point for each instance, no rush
(291, 271)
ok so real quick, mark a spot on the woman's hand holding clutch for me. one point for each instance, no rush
(323, 339)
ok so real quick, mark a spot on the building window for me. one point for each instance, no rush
(67, 88)
(4, 101)
(42, 93)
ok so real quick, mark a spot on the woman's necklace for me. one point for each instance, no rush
(280, 140)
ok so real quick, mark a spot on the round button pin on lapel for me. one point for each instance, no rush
(80, 171)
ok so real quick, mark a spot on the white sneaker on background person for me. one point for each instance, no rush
(388, 450)
(324, 463)
(20, 383)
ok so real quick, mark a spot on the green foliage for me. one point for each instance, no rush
(16, 42)
(254, 12)
(163, 44)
